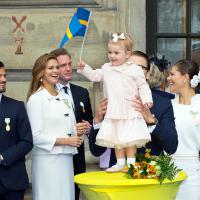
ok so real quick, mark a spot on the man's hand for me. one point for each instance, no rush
(83, 127)
(101, 111)
(144, 110)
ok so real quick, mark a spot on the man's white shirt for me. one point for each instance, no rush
(59, 88)
(68, 97)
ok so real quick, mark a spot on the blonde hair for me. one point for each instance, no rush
(38, 72)
(127, 42)
(156, 77)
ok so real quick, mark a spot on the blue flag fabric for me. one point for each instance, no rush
(77, 26)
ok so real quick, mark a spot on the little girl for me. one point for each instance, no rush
(123, 128)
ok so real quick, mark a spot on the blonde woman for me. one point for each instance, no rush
(158, 73)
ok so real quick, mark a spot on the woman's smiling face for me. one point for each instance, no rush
(51, 72)
(177, 81)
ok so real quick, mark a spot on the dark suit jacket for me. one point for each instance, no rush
(164, 136)
(14, 144)
(81, 94)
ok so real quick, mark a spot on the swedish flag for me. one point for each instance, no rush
(77, 26)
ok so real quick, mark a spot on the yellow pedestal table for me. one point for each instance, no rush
(116, 186)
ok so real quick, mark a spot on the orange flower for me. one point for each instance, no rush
(135, 170)
(144, 164)
(152, 172)
(150, 167)
(137, 164)
(136, 175)
(144, 176)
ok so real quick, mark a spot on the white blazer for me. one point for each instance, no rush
(50, 119)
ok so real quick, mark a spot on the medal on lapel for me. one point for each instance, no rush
(7, 121)
(83, 106)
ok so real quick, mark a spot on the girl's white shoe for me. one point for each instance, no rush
(115, 168)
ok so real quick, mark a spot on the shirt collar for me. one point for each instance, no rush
(59, 86)
(0, 97)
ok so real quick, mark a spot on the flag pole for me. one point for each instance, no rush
(85, 35)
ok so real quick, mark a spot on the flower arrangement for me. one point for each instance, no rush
(195, 80)
(153, 167)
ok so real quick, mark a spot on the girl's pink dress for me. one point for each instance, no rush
(122, 125)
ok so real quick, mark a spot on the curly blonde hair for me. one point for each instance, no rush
(156, 77)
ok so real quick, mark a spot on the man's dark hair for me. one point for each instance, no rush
(143, 55)
(60, 52)
(1, 64)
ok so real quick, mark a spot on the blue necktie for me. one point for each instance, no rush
(65, 89)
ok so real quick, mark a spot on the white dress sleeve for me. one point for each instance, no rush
(94, 75)
(143, 86)
(35, 110)
(195, 112)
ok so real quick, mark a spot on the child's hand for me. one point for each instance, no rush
(80, 65)
(148, 105)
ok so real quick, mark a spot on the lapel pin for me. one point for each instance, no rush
(7, 121)
(83, 106)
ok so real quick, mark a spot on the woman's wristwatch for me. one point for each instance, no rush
(154, 121)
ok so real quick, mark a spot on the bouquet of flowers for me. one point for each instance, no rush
(157, 167)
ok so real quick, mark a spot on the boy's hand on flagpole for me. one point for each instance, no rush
(80, 65)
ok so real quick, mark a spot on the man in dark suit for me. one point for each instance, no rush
(81, 104)
(160, 119)
(15, 142)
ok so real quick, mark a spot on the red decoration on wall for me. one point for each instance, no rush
(18, 24)
(18, 42)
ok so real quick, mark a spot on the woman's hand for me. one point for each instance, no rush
(144, 110)
(148, 105)
(83, 128)
(101, 111)
(74, 141)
